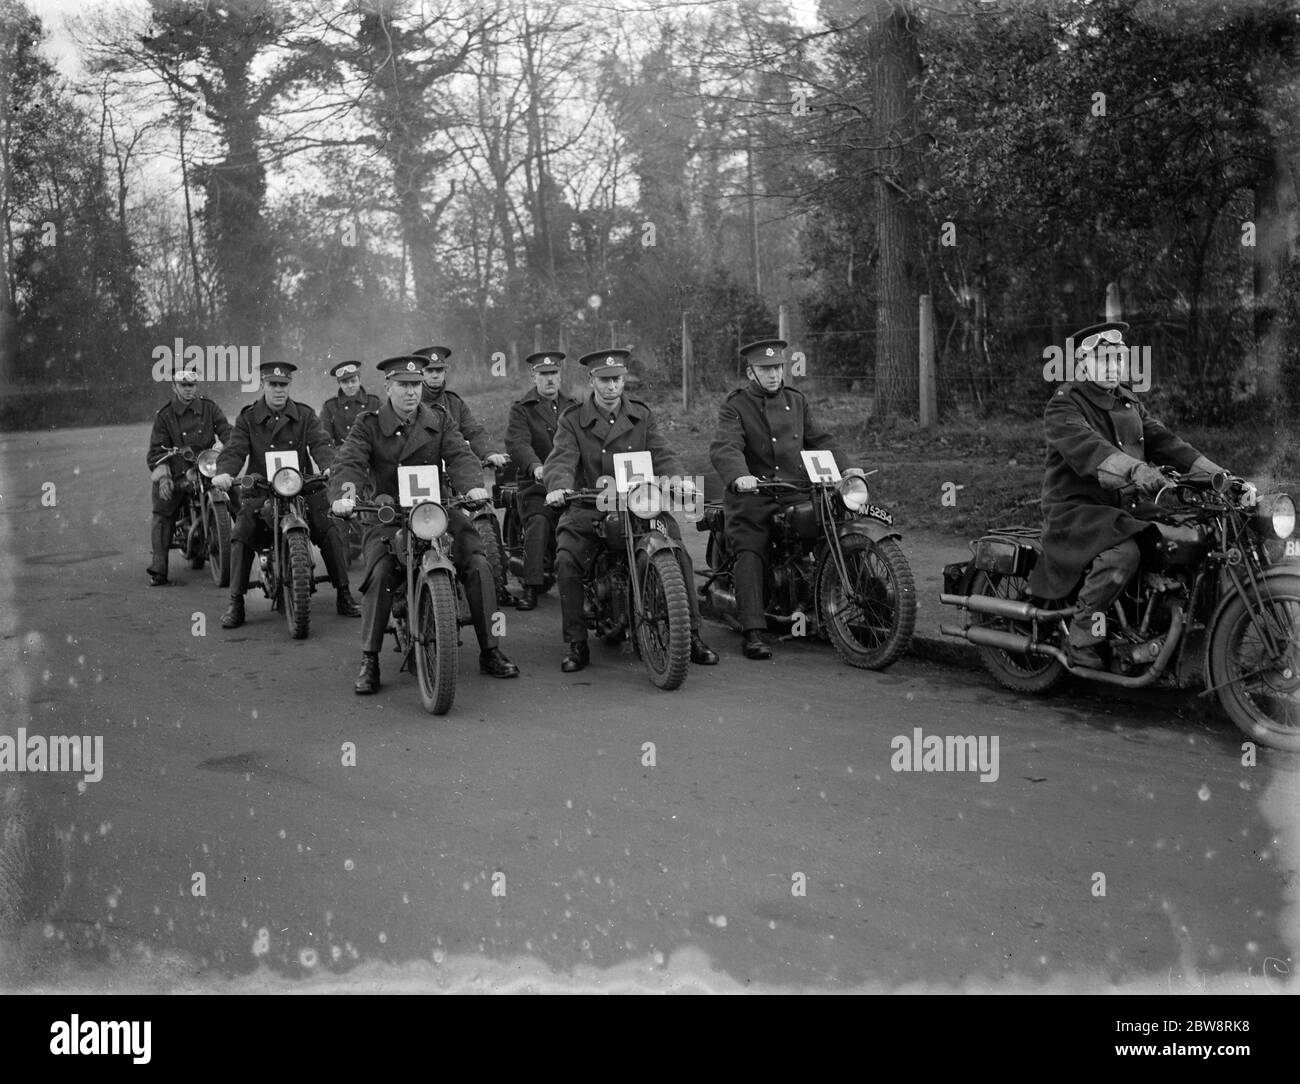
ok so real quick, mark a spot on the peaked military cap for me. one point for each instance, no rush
(612, 362)
(345, 369)
(436, 357)
(765, 352)
(404, 367)
(277, 372)
(545, 361)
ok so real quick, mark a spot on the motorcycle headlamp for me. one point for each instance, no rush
(428, 520)
(207, 463)
(1275, 516)
(287, 482)
(854, 493)
(644, 500)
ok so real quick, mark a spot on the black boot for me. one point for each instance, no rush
(368, 679)
(346, 604)
(578, 657)
(234, 615)
(752, 646)
(528, 600)
(701, 653)
(495, 664)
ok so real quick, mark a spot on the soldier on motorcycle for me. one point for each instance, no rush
(339, 412)
(1100, 438)
(274, 422)
(435, 393)
(587, 438)
(529, 437)
(188, 420)
(762, 428)
(404, 432)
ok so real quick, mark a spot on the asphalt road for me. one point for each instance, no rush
(771, 844)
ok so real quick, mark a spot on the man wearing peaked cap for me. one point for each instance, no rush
(1100, 437)
(187, 420)
(342, 409)
(762, 429)
(274, 422)
(587, 438)
(530, 436)
(404, 433)
(437, 394)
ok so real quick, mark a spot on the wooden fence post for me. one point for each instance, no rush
(929, 402)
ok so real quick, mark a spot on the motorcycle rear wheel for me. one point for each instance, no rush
(217, 532)
(1021, 673)
(1260, 694)
(663, 631)
(297, 584)
(870, 621)
(437, 640)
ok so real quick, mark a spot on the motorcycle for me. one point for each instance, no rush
(202, 531)
(427, 616)
(285, 561)
(836, 571)
(1208, 606)
(505, 495)
(636, 585)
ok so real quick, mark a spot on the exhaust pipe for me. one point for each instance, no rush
(1023, 645)
(1003, 607)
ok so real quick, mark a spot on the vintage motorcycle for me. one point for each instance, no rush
(636, 585)
(836, 571)
(285, 560)
(505, 495)
(1209, 605)
(427, 615)
(202, 531)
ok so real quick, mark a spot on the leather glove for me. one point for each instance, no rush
(165, 487)
(1148, 479)
(223, 481)
(537, 474)
(497, 459)
(746, 483)
(1205, 465)
(344, 506)
(557, 498)
(478, 493)
(1116, 469)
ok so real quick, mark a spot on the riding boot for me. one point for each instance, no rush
(368, 679)
(160, 540)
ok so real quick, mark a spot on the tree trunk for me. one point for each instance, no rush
(897, 64)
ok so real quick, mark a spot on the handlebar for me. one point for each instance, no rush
(391, 512)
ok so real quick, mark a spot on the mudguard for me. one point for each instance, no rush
(653, 542)
(292, 521)
(435, 558)
(868, 528)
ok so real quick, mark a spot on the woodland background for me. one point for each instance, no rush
(352, 179)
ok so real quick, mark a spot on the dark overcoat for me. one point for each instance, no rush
(198, 424)
(587, 438)
(258, 430)
(1084, 423)
(470, 427)
(338, 414)
(530, 435)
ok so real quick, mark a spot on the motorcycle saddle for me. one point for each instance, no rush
(1008, 551)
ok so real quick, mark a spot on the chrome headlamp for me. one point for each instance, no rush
(207, 463)
(287, 482)
(1275, 516)
(854, 493)
(645, 500)
(428, 520)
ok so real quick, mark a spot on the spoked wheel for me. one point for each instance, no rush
(217, 534)
(196, 545)
(296, 584)
(512, 541)
(489, 535)
(1023, 673)
(1258, 686)
(436, 641)
(663, 631)
(870, 618)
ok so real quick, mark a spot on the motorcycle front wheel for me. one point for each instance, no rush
(1260, 690)
(217, 534)
(296, 584)
(663, 631)
(436, 641)
(1022, 673)
(870, 619)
